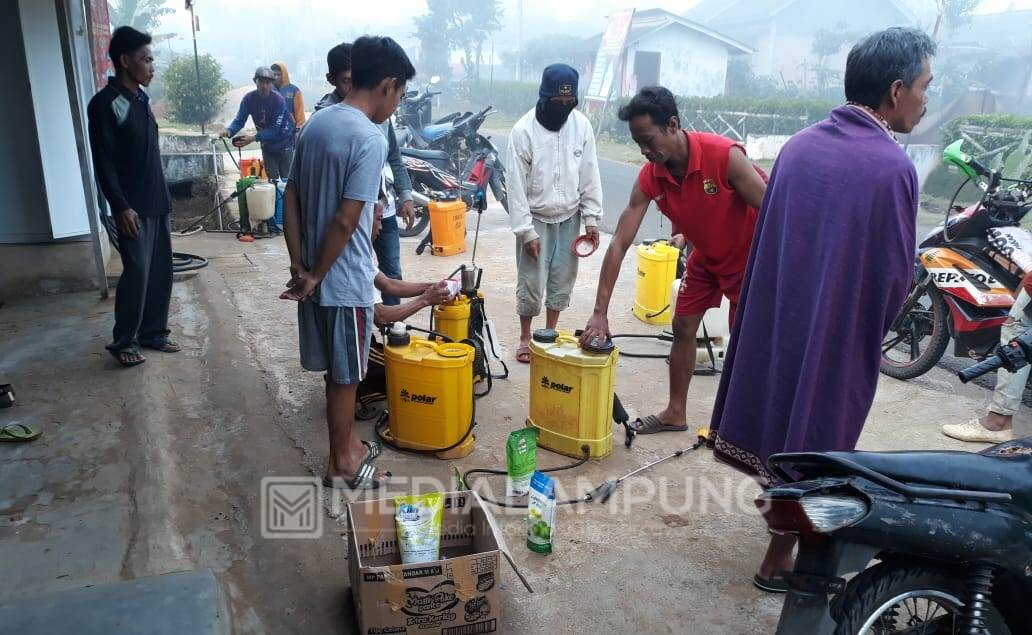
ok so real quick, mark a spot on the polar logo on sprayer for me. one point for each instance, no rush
(554, 385)
(411, 397)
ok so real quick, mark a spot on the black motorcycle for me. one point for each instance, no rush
(951, 533)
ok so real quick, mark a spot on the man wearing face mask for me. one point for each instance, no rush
(553, 184)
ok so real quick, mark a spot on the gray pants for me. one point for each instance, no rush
(1011, 386)
(554, 270)
(145, 287)
(277, 164)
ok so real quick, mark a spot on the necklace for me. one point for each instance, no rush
(871, 112)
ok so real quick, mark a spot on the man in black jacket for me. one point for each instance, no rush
(126, 157)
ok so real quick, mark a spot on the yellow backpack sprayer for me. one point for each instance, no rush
(430, 382)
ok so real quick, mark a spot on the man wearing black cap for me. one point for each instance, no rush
(553, 182)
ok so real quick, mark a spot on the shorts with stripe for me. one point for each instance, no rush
(335, 340)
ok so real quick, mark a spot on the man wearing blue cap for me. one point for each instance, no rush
(553, 184)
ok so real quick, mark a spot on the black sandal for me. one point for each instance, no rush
(774, 584)
(167, 347)
(6, 395)
(130, 350)
(653, 424)
(365, 478)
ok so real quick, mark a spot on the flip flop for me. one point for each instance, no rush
(9, 433)
(774, 584)
(375, 449)
(652, 424)
(364, 479)
(6, 395)
(130, 349)
(523, 354)
(168, 347)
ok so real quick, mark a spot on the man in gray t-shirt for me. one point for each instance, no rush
(328, 222)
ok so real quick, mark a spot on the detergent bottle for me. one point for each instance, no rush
(571, 394)
(430, 395)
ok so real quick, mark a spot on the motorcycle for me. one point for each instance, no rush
(457, 135)
(951, 533)
(430, 181)
(966, 277)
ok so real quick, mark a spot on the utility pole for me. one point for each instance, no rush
(197, 61)
(519, 40)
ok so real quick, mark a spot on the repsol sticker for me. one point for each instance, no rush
(411, 397)
(947, 277)
(426, 602)
(554, 385)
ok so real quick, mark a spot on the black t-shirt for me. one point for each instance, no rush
(126, 154)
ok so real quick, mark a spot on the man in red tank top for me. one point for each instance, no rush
(711, 193)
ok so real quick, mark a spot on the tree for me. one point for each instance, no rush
(825, 44)
(142, 15)
(186, 104)
(543, 50)
(458, 25)
(434, 48)
(953, 14)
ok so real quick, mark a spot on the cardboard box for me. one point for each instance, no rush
(457, 595)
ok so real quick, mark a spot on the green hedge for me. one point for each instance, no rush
(789, 115)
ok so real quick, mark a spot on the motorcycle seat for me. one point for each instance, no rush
(426, 155)
(1003, 468)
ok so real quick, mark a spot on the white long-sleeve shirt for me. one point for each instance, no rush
(552, 175)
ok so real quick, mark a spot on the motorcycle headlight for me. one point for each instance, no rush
(828, 513)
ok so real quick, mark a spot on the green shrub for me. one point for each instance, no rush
(782, 116)
(187, 104)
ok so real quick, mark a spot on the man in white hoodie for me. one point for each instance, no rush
(554, 183)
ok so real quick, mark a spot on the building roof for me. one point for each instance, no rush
(718, 12)
(649, 21)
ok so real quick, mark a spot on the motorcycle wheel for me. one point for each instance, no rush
(498, 189)
(926, 322)
(905, 598)
(418, 227)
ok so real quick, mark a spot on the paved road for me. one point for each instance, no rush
(617, 180)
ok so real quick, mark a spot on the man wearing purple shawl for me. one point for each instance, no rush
(830, 265)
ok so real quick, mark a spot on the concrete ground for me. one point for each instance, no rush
(158, 468)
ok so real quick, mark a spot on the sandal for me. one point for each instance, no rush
(774, 584)
(523, 354)
(365, 478)
(10, 433)
(375, 449)
(123, 356)
(653, 424)
(6, 395)
(167, 347)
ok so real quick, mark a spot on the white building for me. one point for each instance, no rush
(688, 58)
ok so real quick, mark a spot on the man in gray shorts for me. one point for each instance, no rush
(554, 185)
(328, 223)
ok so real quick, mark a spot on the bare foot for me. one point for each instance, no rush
(779, 556)
(996, 422)
(347, 466)
(672, 417)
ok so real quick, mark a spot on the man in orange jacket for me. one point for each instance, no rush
(291, 93)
